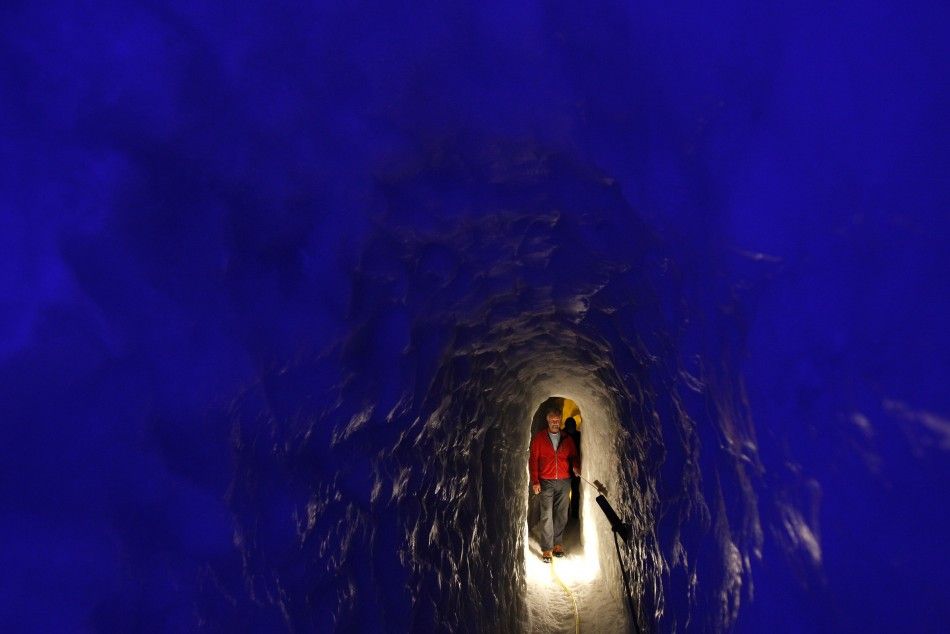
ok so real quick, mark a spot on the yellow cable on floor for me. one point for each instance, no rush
(577, 618)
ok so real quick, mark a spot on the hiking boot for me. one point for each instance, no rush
(558, 551)
(546, 556)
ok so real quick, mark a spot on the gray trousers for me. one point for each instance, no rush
(556, 494)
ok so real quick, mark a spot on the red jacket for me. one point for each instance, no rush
(547, 464)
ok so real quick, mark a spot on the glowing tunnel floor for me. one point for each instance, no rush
(599, 601)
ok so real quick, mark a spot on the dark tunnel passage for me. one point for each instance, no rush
(421, 485)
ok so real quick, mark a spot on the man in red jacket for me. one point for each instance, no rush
(553, 460)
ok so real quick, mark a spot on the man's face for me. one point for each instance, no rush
(554, 422)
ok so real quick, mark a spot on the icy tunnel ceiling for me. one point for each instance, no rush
(283, 288)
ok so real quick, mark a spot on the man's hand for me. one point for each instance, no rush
(577, 473)
(536, 488)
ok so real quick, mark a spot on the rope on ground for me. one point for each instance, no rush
(577, 618)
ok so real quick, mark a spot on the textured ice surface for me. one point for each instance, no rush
(282, 285)
(475, 319)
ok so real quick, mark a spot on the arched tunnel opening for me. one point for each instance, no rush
(503, 546)
(575, 589)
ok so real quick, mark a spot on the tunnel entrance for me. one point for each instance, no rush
(581, 589)
(571, 423)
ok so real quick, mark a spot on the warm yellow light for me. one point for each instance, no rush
(569, 409)
(575, 569)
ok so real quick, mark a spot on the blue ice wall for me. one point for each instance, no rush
(264, 266)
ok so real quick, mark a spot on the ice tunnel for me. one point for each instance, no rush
(283, 285)
(404, 487)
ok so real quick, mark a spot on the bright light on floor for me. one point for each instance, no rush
(574, 569)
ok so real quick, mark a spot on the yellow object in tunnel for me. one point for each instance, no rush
(569, 409)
